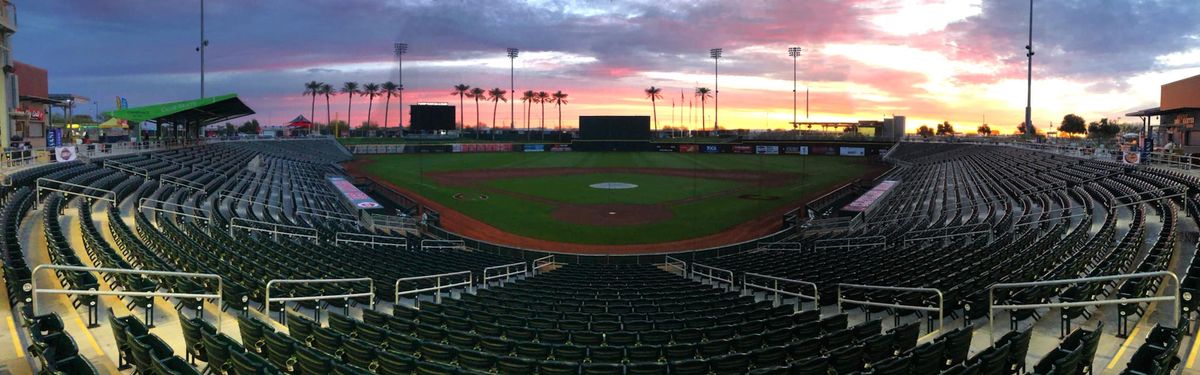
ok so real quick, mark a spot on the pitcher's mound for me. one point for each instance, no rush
(611, 214)
(612, 185)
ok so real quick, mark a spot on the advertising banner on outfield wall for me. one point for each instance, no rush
(535, 148)
(853, 151)
(795, 150)
(481, 147)
(766, 150)
(711, 149)
(743, 149)
(666, 147)
(560, 148)
(689, 148)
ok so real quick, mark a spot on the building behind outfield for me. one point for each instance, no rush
(1179, 106)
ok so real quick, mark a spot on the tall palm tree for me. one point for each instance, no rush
(349, 88)
(543, 97)
(388, 89)
(327, 91)
(560, 98)
(653, 93)
(496, 96)
(370, 90)
(528, 97)
(461, 90)
(703, 93)
(477, 93)
(312, 88)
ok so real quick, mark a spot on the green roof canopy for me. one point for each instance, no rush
(202, 111)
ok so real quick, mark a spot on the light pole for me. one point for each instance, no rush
(715, 53)
(512, 88)
(201, 48)
(1029, 77)
(794, 52)
(400, 49)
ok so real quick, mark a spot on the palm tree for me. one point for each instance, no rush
(654, 94)
(528, 97)
(477, 93)
(388, 89)
(312, 88)
(371, 90)
(703, 93)
(327, 91)
(461, 90)
(560, 98)
(349, 88)
(496, 95)
(543, 97)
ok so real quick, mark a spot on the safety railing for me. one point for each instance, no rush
(181, 182)
(92, 313)
(275, 229)
(504, 272)
(443, 245)
(992, 306)
(161, 207)
(543, 262)
(781, 246)
(444, 281)
(267, 299)
(241, 198)
(52, 185)
(988, 232)
(676, 263)
(941, 318)
(355, 223)
(127, 168)
(371, 240)
(779, 286)
(401, 222)
(850, 241)
(712, 275)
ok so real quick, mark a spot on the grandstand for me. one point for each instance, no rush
(240, 257)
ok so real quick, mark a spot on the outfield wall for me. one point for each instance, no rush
(827, 148)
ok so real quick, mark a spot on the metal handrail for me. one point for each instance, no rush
(108, 196)
(276, 228)
(711, 273)
(371, 239)
(154, 207)
(443, 244)
(938, 309)
(914, 239)
(470, 281)
(34, 290)
(676, 263)
(127, 168)
(992, 306)
(775, 288)
(179, 181)
(847, 240)
(267, 299)
(507, 271)
(543, 262)
(781, 246)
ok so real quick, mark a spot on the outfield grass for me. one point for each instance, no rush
(519, 215)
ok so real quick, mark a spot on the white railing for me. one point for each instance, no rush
(47, 184)
(993, 306)
(781, 246)
(181, 182)
(275, 229)
(154, 206)
(371, 240)
(712, 275)
(939, 309)
(832, 243)
(267, 299)
(543, 262)
(773, 285)
(504, 272)
(127, 168)
(35, 290)
(676, 263)
(467, 281)
(443, 245)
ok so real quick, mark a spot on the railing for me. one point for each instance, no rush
(781, 246)
(12, 158)
(127, 168)
(939, 309)
(849, 242)
(45, 184)
(945, 236)
(443, 245)
(672, 262)
(240, 198)
(437, 289)
(992, 306)
(268, 299)
(181, 182)
(274, 229)
(401, 222)
(748, 281)
(370, 239)
(154, 206)
(504, 272)
(543, 262)
(35, 290)
(713, 274)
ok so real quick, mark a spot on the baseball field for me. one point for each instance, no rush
(541, 200)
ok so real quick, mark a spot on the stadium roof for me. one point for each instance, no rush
(203, 111)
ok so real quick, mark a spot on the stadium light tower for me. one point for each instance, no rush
(794, 52)
(201, 48)
(715, 53)
(512, 87)
(1029, 77)
(400, 49)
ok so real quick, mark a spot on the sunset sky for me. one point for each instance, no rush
(955, 60)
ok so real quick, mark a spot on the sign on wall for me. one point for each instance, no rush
(766, 150)
(853, 151)
(356, 197)
(64, 154)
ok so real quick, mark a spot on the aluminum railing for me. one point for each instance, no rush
(35, 290)
(127, 168)
(181, 182)
(52, 185)
(781, 246)
(504, 272)
(939, 309)
(676, 263)
(830, 242)
(712, 274)
(443, 245)
(371, 240)
(275, 229)
(772, 285)
(992, 306)
(154, 206)
(267, 299)
(543, 262)
(439, 286)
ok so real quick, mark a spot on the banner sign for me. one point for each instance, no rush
(853, 151)
(68, 153)
(350, 192)
(1132, 157)
(481, 147)
(743, 149)
(54, 137)
(711, 149)
(766, 150)
(560, 148)
(667, 147)
(689, 148)
(869, 198)
(535, 148)
(795, 150)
